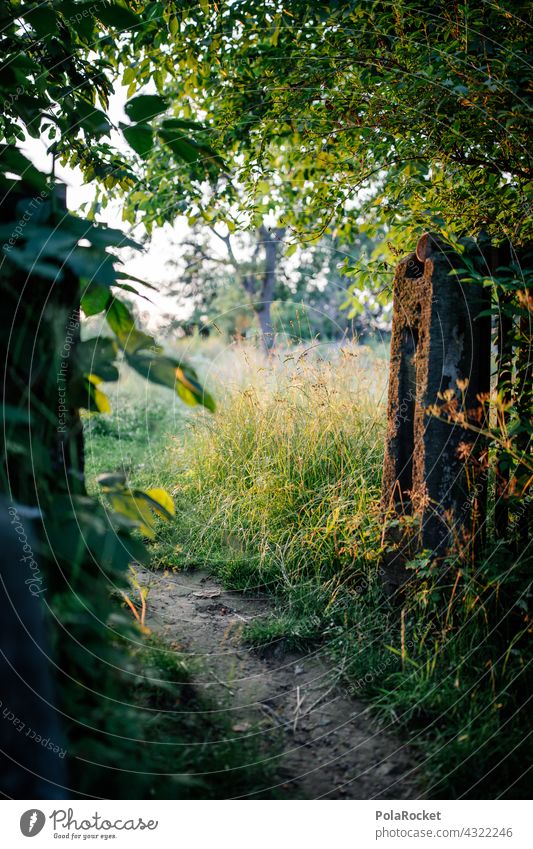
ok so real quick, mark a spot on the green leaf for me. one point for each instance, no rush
(96, 356)
(136, 340)
(126, 287)
(189, 390)
(43, 20)
(140, 138)
(80, 12)
(122, 323)
(180, 146)
(137, 505)
(169, 372)
(11, 159)
(29, 263)
(120, 319)
(100, 235)
(113, 15)
(90, 118)
(92, 264)
(123, 275)
(185, 148)
(40, 242)
(173, 26)
(144, 107)
(135, 509)
(110, 480)
(129, 75)
(95, 299)
(181, 124)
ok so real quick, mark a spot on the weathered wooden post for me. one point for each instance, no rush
(35, 310)
(439, 344)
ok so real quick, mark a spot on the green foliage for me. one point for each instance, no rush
(429, 124)
(59, 68)
(85, 548)
(224, 289)
(164, 739)
(467, 671)
(140, 506)
(133, 437)
(62, 59)
(382, 121)
(426, 128)
(144, 107)
(503, 419)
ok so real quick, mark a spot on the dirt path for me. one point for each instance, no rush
(330, 746)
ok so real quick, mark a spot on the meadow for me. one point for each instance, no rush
(278, 491)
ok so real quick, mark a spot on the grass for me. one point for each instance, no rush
(279, 490)
(131, 437)
(275, 487)
(168, 740)
(171, 740)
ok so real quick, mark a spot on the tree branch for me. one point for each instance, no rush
(227, 241)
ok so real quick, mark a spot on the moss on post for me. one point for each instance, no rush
(440, 351)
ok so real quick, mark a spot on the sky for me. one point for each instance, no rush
(150, 264)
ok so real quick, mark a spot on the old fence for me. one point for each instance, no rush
(440, 350)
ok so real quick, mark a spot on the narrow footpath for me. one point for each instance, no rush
(328, 746)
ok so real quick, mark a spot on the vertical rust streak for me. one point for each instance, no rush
(504, 364)
(524, 402)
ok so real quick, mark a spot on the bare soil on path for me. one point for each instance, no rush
(324, 743)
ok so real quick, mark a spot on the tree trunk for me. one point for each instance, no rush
(263, 307)
(438, 346)
(264, 317)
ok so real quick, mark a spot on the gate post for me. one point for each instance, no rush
(438, 340)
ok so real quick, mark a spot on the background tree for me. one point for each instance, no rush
(220, 280)
(403, 122)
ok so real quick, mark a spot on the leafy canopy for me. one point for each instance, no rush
(417, 116)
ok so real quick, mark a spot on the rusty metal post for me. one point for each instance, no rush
(438, 340)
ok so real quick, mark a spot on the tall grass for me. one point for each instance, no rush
(280, 490)
(281, 485)
(171, 740)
